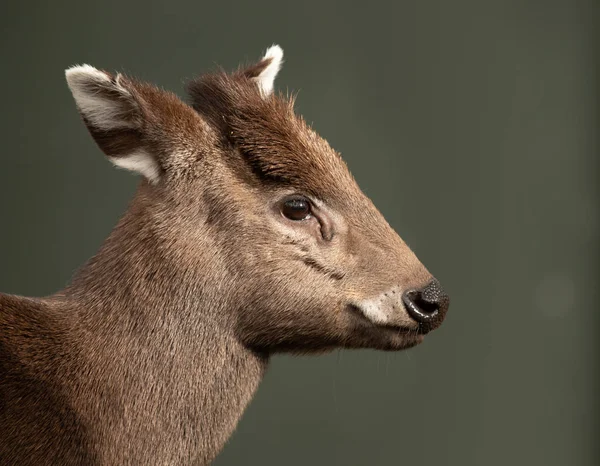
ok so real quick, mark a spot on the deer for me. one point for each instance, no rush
(247, 236)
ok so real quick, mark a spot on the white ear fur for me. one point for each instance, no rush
(266, 79)
(108, 106)
(140, 162)
(85, 82)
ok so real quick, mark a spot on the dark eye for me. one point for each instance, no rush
(297, 208)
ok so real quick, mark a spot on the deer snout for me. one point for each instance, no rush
(427, 306)
(420, 309)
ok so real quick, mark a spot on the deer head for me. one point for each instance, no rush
(253, 218)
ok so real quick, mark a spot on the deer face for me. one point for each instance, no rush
(246, 196)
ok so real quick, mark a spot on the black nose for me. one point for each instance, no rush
(427, 304)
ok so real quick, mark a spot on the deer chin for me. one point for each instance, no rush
(397, 338)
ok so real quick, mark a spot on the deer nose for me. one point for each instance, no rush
(428, 305)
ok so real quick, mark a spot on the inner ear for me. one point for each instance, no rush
(114, 118)
(102, 99)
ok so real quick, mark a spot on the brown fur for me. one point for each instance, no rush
(153, 351)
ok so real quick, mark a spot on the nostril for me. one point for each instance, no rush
(425, 305)
(419, 307)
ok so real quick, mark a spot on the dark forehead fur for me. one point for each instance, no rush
(277, 143)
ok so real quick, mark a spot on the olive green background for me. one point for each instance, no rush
(471, 124)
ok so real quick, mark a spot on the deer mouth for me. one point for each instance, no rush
(358, 313)
(387, 336)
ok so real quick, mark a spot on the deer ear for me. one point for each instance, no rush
(114, 117)
(265, 71)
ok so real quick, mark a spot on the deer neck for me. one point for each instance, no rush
(173, 378)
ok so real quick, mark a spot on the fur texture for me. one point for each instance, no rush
(153, 351)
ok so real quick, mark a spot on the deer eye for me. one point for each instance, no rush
(296, 208)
